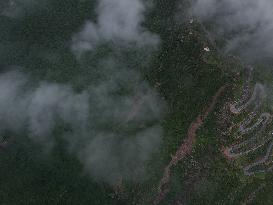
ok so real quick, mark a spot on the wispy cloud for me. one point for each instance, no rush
(19, 8)
(119, 22)
(115, 120)
(38, 109)
(247, 25)
(114, 125)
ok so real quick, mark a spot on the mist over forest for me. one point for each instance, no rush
(136, 102)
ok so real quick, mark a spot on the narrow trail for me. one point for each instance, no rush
(254, 142)
(248, 170)
(253, 127)
(186, 148)
(237, 107)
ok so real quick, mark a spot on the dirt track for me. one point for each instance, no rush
(186, 148)
(252, 126)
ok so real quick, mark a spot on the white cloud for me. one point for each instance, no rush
(118, 21)
(247, 25)
(110, 132)
(19, 8)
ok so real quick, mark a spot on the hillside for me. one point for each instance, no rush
(150, 113)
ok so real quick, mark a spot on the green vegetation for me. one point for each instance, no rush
(186, 77)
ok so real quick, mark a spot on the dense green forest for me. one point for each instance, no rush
(185, 75)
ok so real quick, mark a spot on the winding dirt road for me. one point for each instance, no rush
(253, 127)
(186, 148)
